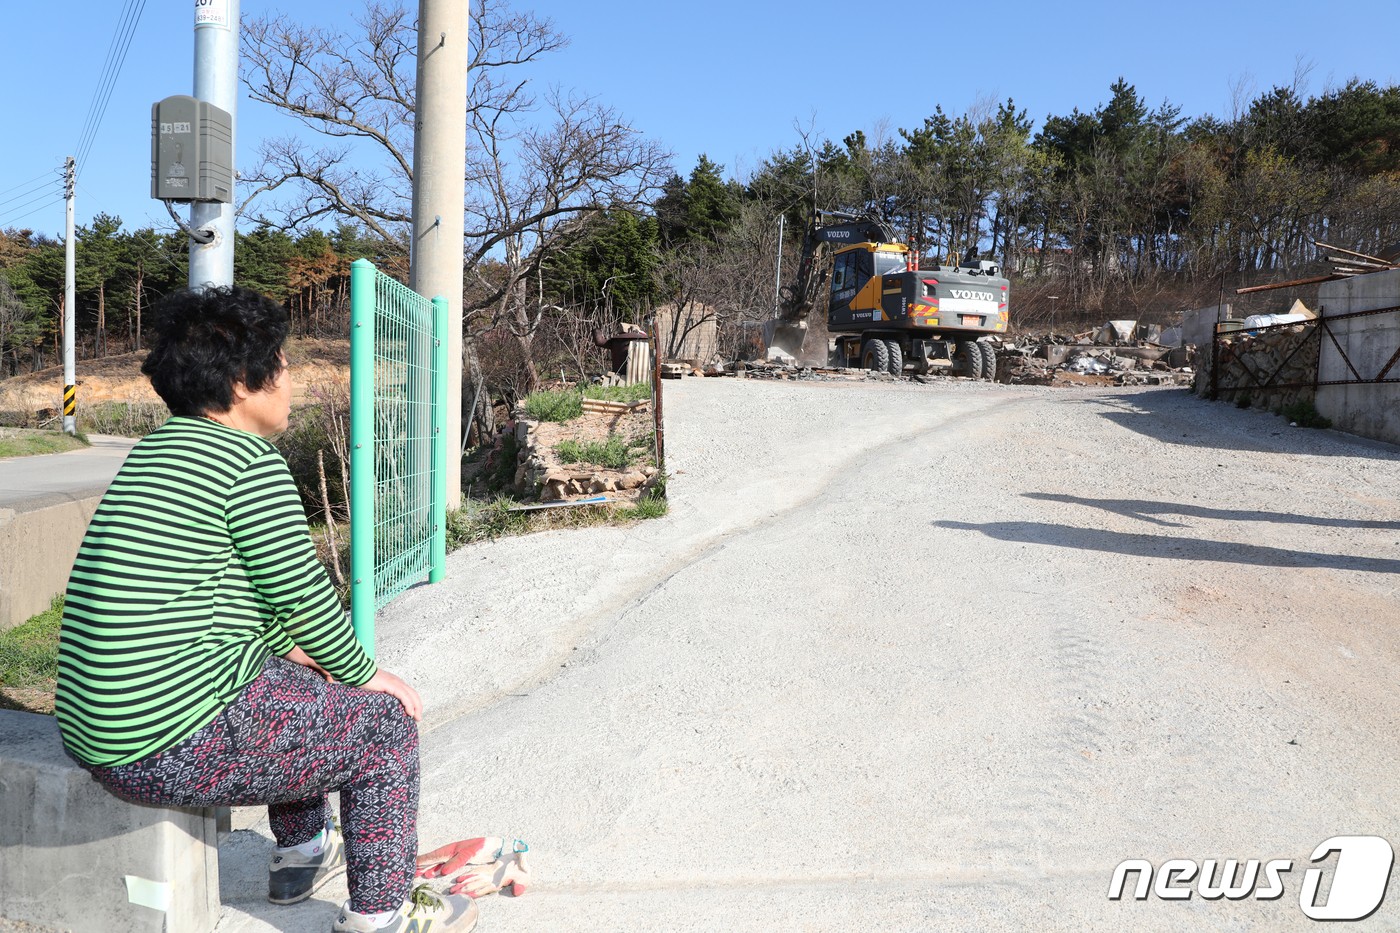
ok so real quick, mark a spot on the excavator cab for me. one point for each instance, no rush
(858, 278)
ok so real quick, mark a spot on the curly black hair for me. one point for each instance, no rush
(208, 340)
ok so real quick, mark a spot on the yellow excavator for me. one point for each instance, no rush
(886, 313)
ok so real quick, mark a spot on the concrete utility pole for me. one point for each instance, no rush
(215, 81)
(439, 190)
(70, 299)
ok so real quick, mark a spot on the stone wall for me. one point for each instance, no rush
(1284, 356)
(539, 473)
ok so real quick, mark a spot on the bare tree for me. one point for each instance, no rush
(358, 88)
(535, 187)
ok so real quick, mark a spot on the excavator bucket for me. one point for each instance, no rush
(783, 340)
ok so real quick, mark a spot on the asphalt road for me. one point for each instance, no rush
(33, 482)
(914, 657)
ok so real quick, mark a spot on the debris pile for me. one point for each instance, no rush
(1118, 353)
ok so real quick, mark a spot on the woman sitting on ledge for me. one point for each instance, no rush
(204, 658)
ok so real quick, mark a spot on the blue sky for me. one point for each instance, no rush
(730, 79)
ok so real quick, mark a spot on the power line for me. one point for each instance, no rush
(9, 216)
(107, 82)
(26, 194)
(24, 184)
(11, 221)
(104, 81)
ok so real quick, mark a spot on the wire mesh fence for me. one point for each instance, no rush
(398, 389)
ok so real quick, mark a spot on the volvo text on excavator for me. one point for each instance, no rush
(887, 314)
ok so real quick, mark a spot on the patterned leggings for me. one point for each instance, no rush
(285, 741)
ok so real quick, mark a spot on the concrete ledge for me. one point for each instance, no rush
(75, 857)
(38, 541)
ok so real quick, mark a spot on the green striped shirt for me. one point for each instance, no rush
(196, 566)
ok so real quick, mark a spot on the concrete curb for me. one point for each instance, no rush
(75, 857)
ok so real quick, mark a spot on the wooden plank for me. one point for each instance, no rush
(601, 406)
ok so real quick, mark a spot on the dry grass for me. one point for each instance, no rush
(118, 378)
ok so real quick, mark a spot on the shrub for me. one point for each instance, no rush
(502, 467)
(553, 405)
(649, 506)
(474, 522)
(124, 419)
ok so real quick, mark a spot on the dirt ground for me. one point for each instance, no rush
(908, 658)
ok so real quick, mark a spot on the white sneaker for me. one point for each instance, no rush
(425, 911)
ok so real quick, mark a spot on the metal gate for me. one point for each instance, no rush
(398, 449)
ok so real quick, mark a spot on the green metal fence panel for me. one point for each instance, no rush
(398, 462)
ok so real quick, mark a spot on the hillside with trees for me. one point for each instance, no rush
(577, 221)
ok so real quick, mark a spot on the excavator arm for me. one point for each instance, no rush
(788, 331)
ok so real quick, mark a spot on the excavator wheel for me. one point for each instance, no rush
(989, 361)
(875, 356)
(896, 357)
(972, 356)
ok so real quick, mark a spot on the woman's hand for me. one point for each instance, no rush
(384, 682)
(297, 656)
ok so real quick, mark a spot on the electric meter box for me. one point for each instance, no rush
(191, 151)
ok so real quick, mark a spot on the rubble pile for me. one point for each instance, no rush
(1119, 353)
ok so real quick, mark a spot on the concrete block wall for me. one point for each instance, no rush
(38, 541)
(1368, 410)
(1198, 326)
(75, 857)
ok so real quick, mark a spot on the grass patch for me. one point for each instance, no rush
(553, 405)
(29, 652)
(649, 506)
(478, 521)
(1305, 414)
(25, 442)
(637, 392)
(614, 454)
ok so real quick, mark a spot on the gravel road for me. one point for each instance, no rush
(910, 657)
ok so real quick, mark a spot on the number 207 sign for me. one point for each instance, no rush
(211, 13)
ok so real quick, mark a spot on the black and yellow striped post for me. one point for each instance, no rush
(70, 407)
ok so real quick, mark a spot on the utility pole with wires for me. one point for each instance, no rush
(216, 27)
(70, 299)
(192, 146)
